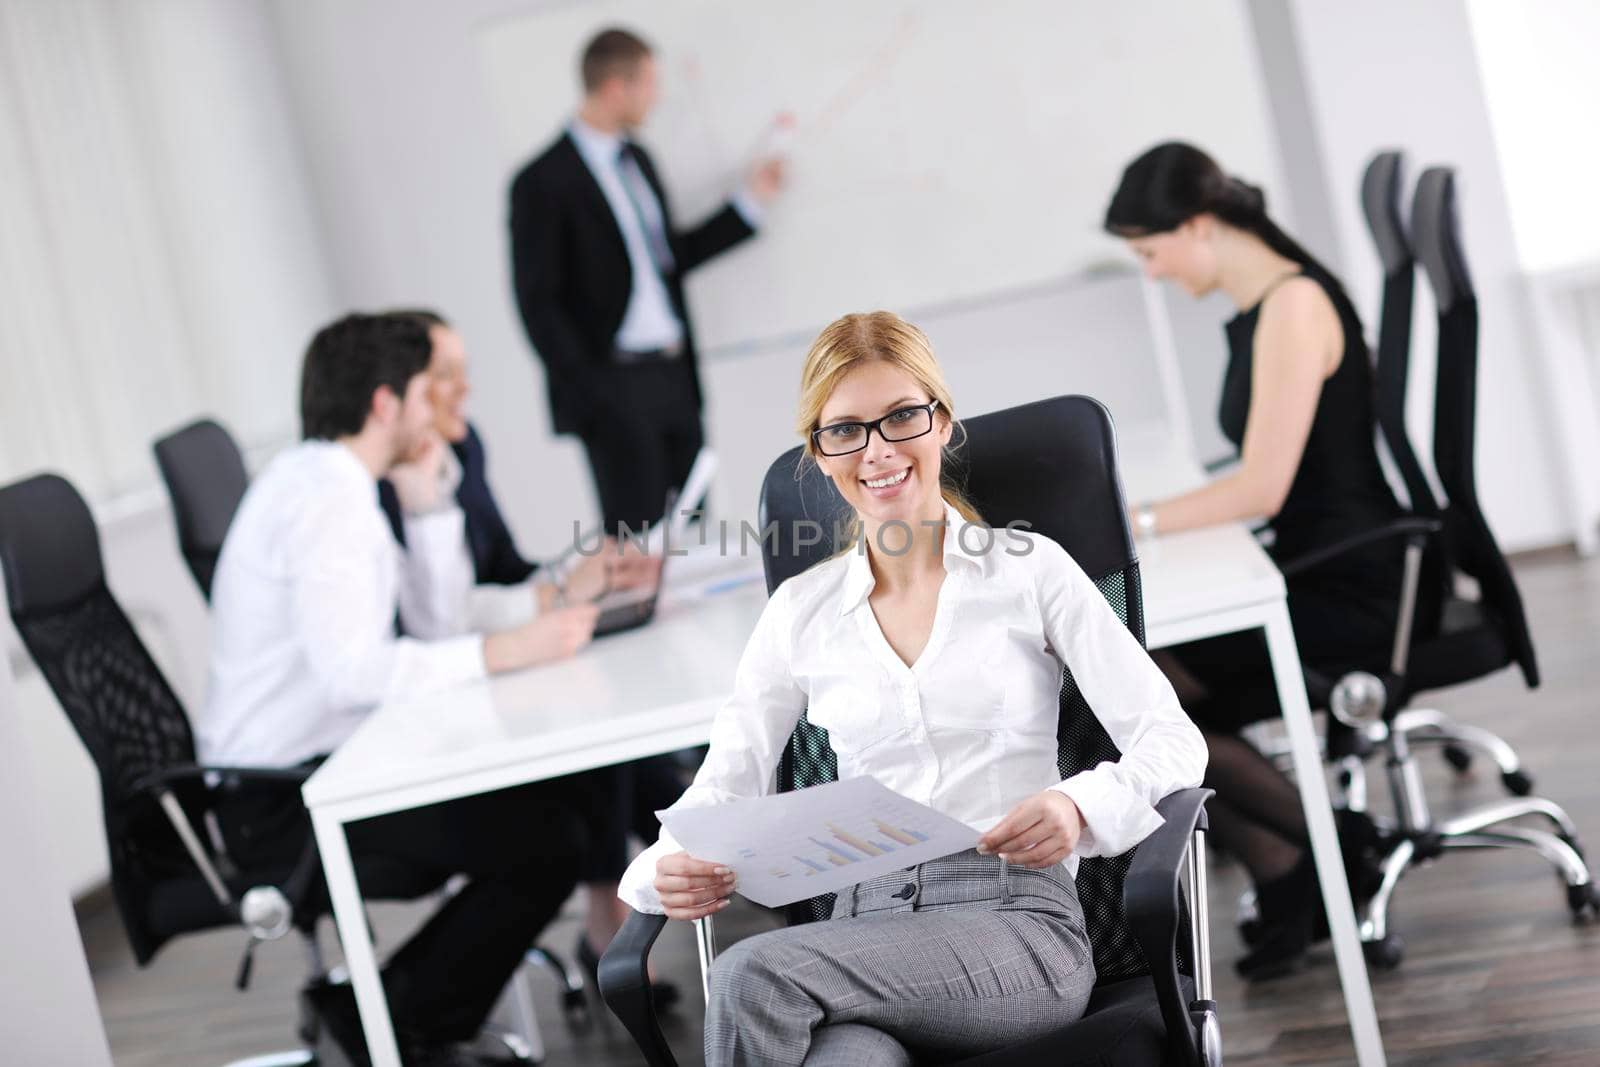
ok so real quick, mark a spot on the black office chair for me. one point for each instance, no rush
(1380, 201)
(170, 874)
(1053, 464)
(1471, 638)
(205, 476)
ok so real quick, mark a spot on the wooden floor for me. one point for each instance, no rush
(1495, 972)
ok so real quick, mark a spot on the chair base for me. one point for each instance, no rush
(1415, 838)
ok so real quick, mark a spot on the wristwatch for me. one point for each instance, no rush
(1144, 521)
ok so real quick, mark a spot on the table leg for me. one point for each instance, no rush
(356, 938)
(1290, 683)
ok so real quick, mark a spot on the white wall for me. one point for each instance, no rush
(1383, 75)
(217, 221)
(48, 1013)
(1541, 84)
(161, 254)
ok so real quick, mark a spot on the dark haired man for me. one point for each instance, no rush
(598, 267)
(304, 647)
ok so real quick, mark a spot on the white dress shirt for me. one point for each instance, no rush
(650, 321)
(970, 729)
(440, 570)
(303, 608)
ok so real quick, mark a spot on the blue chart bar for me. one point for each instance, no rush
(813, 864)
(884, 845)
(844, 853)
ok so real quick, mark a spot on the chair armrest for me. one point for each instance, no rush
(625, 985)
(1407, 527)
(164, 787)
(185, 773)
(1150, 899)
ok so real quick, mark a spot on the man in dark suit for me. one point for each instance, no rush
(598, 267)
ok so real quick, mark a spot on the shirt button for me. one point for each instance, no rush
(907, 891)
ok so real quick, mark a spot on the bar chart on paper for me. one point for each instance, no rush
(796, 845)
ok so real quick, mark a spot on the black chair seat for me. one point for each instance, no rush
(1469, 645)
(1122, 1025)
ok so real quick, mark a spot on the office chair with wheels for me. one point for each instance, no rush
(1053, 464)
(1380, 202)
(1472, 637)
(169, 874)
(205, 476)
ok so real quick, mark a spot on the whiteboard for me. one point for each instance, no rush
(944, 149)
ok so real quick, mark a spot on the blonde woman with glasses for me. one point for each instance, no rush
(879, 646)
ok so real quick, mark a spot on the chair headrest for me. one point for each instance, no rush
(1051, 464)
(1380, 202)
(1437, 237)
(205, 476)
(49, 547)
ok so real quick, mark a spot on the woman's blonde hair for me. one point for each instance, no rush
(875, 337)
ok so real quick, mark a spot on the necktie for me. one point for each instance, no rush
(639, 194)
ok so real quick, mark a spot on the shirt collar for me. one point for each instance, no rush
(858, 579)
(338, 461)
(593, 144)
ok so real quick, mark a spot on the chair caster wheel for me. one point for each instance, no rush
(1584, 900)
(1458, 757)
(1517, 783)
(1384, 954)
(575, 1006)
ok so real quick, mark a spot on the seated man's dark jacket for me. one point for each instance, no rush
(495, 559)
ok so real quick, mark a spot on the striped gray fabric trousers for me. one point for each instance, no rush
(948, 957)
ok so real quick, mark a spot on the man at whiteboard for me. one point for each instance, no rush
(598, 268)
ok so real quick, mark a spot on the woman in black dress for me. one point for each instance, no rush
(1297, 400)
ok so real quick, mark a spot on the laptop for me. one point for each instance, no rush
(627, 609)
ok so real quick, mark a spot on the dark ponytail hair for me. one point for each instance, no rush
(1173, 182)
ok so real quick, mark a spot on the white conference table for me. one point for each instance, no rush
(656, 689)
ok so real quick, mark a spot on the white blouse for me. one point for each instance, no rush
(970, 728)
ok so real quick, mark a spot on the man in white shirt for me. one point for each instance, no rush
(308, 591)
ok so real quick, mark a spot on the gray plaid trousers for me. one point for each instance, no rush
(946, 957)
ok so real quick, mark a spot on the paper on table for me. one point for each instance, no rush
(790, 846)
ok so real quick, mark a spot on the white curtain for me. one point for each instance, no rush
(159, 256)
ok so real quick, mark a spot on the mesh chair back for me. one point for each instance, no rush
(1380, 201)
(1470, 542)
(1051, 464)
(121, 706)
(206, 479)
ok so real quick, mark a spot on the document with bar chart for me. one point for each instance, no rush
(791, 846)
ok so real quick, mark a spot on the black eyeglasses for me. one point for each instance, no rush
(902, 424)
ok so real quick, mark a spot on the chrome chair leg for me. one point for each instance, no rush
(1560, 855)
(1428, 726)
(1503, 810)
(1375, 926)
(705, 937)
